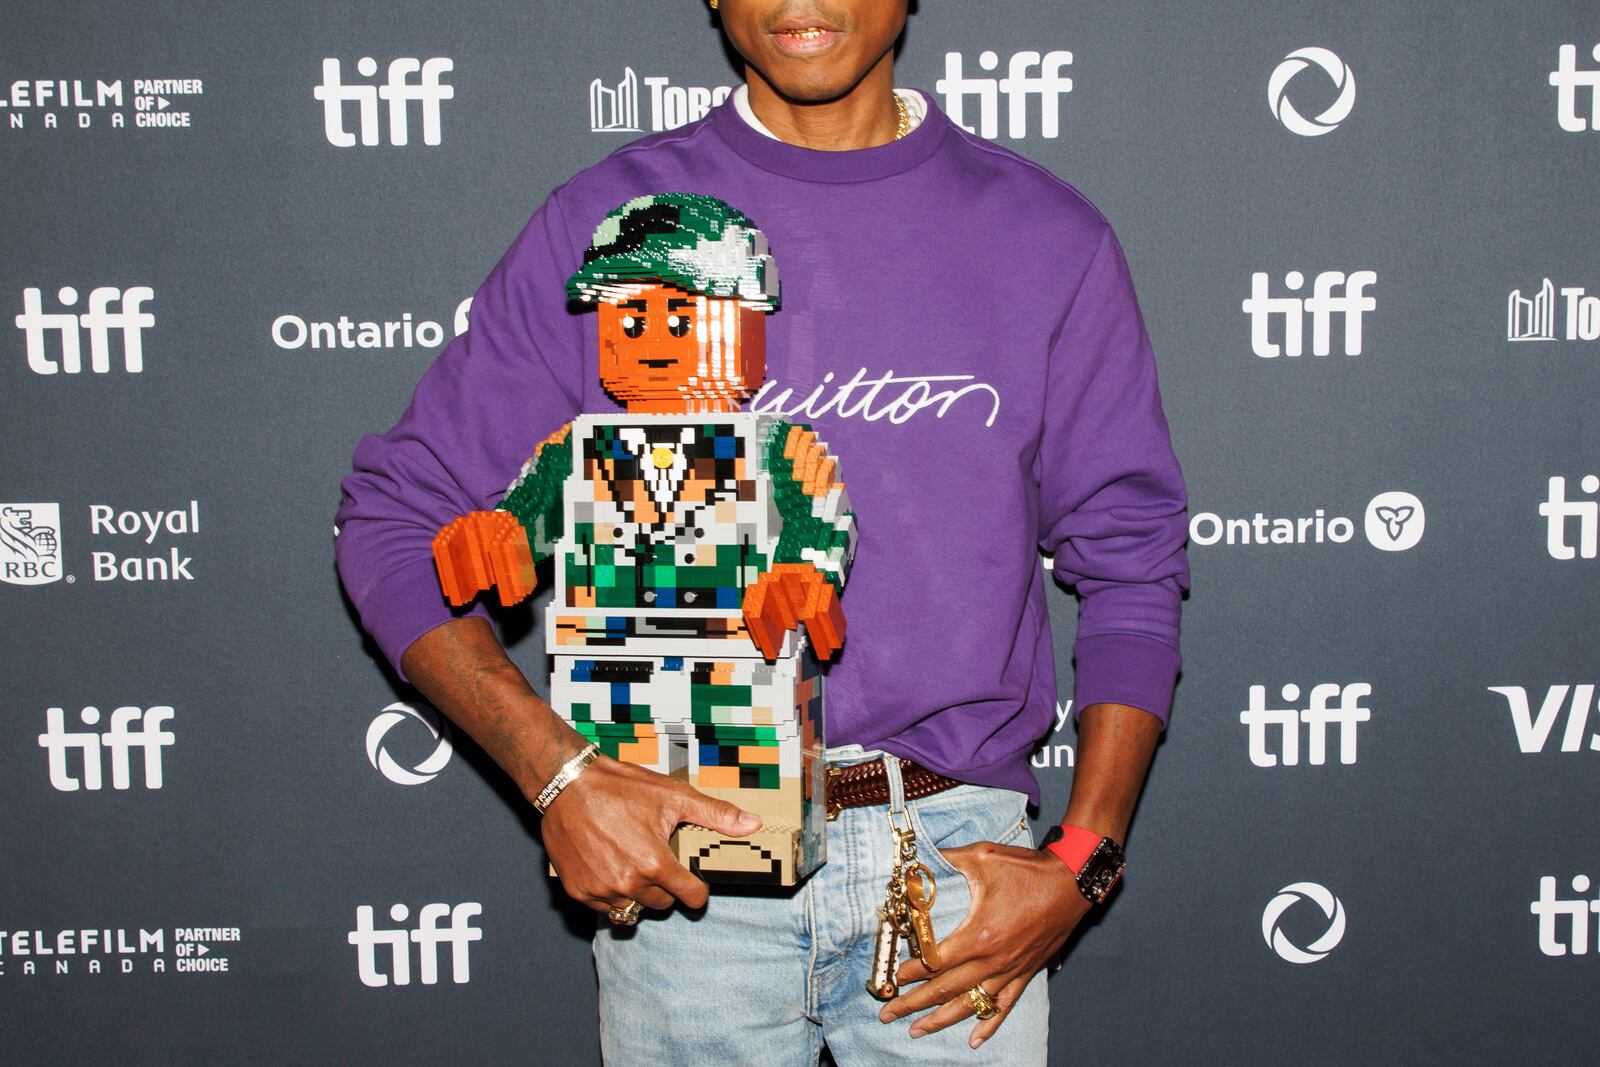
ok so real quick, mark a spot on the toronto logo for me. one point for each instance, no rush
(1288, 897)
(1283, 109)
(30, 543)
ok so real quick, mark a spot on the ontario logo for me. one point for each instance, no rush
(30, 543)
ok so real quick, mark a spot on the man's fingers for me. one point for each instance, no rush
(949, 983)
(655, 898)
(718, 815)
(675, 879)
(1006, 998)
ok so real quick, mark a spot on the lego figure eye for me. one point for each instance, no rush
(677, 325)
(633, 325)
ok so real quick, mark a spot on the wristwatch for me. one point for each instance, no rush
(1096, 861)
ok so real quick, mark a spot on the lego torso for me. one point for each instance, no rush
(668, 519)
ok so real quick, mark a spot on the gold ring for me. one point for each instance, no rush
(983, 1005)
(626, 916)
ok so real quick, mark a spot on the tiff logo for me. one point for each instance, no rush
(1347, 714)
(1551, 909)
(1557, 510)
(99, 320)
(399, 91)
(1568, 79)
(1333, 293)
(1017, 86)
(428, 936)
(1533, 732)
(120, 738)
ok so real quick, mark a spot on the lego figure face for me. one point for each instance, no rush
(664, 349)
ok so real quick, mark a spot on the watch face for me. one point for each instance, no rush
(1101, 871)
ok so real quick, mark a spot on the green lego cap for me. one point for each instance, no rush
(698, 243)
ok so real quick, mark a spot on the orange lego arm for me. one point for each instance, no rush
(788, 595)
(480, 550)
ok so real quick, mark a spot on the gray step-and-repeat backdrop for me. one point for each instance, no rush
(1365, 241)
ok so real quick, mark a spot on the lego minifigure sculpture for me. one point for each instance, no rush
(690, 539)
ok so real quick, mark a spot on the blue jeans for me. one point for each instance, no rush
(769, 977)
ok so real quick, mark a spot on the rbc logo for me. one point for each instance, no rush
(1288, 897)
(1568, 79)
(30, 543)
(1333, 293)
(99, 320)
(1048, 85)
(399, 91)
(120, 738)
(386, 765)
(1347, 714)
(428, 936)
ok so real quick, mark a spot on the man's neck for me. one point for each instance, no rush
(864, 117)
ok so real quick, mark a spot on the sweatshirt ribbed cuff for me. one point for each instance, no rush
(1125, 669)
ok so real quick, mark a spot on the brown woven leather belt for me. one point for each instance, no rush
(862, 784)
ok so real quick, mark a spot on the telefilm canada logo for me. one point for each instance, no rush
(105, 949)
(1287, 72)
(407, 81)
(437, 925)
(1394, 521)
(615, 108)
(1028, 75)
(115, 321)
(1569, 706)
(1336, 298)
(1551, 313)
(1576, 86)
(87, 103)
(394, 716)
(1333, 713)
(1278, 909)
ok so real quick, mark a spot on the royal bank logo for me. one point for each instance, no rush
(1279, 906)
(398, 91)
(385, 764)
(30, 543)
(1571, 85)
(1394, 521)
(115, 319)
(127, 729)
(1565, 516)
(615, 108)
(1535, 317)
(1336, 297)
(457, 932)
(79, 103)
(1028, 75)
(1534, 729)
(1275, 733)
(1337, 71)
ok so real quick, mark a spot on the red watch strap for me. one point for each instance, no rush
(1075, 846)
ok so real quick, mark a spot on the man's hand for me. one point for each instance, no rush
(607, 836)
(1025, 904)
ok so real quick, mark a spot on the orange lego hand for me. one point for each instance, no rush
(483, 549)
(786, 596)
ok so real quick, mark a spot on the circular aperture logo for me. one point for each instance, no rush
(1344, 80)
(1288, 897)
(385, 764)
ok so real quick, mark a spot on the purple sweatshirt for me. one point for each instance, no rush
(959, 326)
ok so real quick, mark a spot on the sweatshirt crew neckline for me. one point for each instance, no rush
(812, 165)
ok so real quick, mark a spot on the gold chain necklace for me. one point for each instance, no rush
(902, 117)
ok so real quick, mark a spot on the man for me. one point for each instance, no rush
(960, 325)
